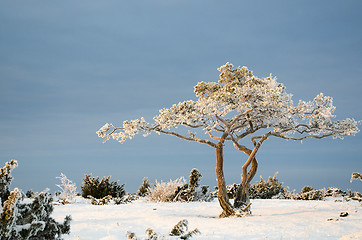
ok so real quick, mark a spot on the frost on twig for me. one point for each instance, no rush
(68, 189)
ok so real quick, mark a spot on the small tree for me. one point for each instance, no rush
(238, 106)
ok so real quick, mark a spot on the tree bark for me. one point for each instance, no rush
(222, 193)
(242, 198)
(242, 194)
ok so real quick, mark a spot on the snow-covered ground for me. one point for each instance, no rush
(271, 219)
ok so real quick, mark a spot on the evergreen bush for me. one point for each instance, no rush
(144, 189)
(31, 221)
(334, 192)
(179, 231)
(101, 188)
(30, 194)
(268, 189)
(309, 193)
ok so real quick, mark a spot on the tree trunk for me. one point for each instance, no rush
(242, 199)
(222, 193)
(242, 194)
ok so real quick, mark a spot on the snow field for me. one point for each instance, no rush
(271, 219)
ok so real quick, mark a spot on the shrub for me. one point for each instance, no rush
(179, 190)
(268, 189)
(193, 191)
(31, 220)
(334, 192)
(195, 176)
(101, 188)
(144, 189)
(309, 193)
(180, 230)
(353, 196)
(19, 220)
(30, 194)
(68, 189)
(165, 191)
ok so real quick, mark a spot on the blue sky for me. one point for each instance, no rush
(68, 67)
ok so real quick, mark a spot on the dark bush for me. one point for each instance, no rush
(309, 193)
(101, 188)
(268, 189)
(144, 189)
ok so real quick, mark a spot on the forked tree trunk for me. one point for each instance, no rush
(222, 193)
(242, 198)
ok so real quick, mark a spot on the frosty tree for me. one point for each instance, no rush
(238, 107)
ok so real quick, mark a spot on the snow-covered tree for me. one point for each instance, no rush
(239, 106)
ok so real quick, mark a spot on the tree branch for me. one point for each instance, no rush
(194, 139)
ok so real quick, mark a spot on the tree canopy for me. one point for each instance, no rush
(243, 104)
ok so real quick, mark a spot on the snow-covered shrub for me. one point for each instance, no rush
(6, 178)
(102, 201)
(309, 193)
(101, 188)
(181, 229)
(165, 191)
(19, 220)
(356, 176)
(144, 189)
(127, 198)
(195, 176)
(356, 196)
(261, 190)
(179, 190)
(68, 189)
(193, 191)
(30, 220)
(268, 189)
(231, 190)
(334, 192)
(30, 194)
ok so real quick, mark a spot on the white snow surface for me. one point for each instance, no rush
(270, 219)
